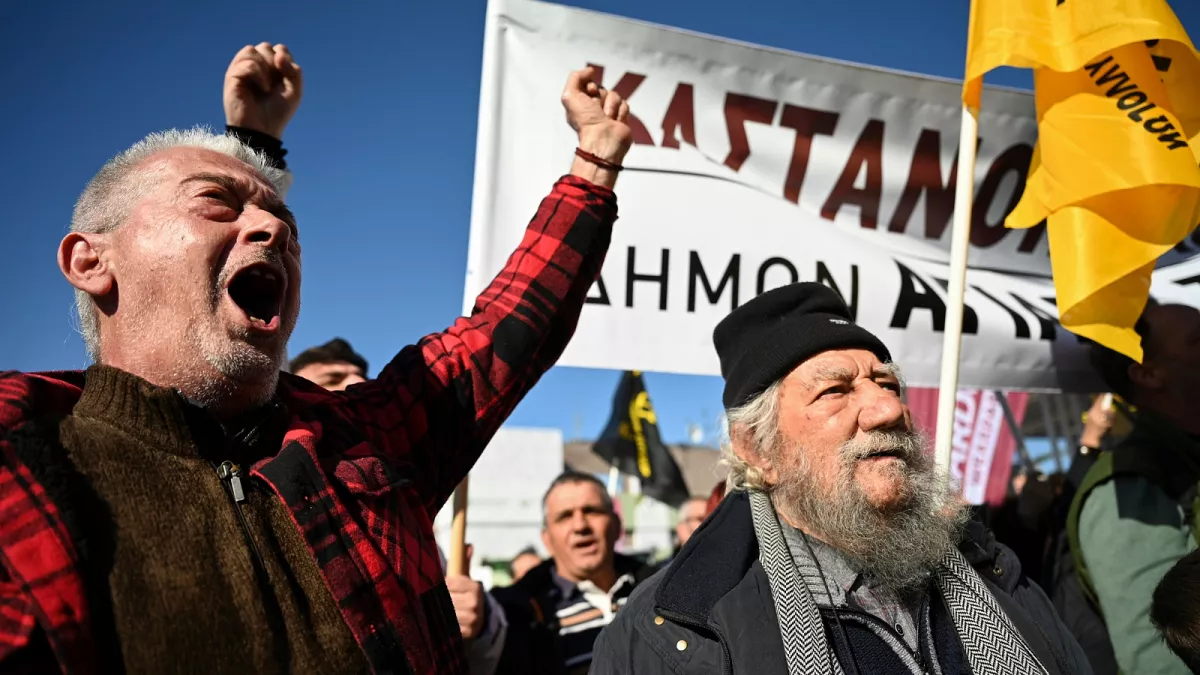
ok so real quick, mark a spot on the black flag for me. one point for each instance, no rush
(632, 444)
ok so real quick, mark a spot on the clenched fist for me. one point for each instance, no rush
(263, 86)
(598, 116)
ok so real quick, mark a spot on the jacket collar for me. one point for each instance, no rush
(1151, 430)
(721, 552)
(712, 563)
(990, 559)
(161, 417)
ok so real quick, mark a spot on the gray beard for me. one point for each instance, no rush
(897, 549)
(249, 374)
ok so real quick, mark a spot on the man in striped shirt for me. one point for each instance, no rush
(556, 611)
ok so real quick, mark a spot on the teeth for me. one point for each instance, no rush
(264, 273)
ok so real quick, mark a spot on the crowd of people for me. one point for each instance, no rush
(193, 502)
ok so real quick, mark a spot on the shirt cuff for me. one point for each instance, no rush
(265, 143)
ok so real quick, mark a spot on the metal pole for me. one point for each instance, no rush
(1015, 430)
(1064, 417)
(1051, 429)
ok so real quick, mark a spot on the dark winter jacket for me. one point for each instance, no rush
(712, 612)
(532, 643)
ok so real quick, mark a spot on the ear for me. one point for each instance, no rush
(81, 261)
(546, 541)
(744, 448)
(1145, 376)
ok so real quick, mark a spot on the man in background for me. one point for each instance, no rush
(524, 561)
(691, 514)
(334, 365)
(1132, 518)
(557, 609)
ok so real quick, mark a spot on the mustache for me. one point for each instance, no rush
(906, 445)
(270, 256)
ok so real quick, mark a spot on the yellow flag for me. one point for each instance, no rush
(1115, 175)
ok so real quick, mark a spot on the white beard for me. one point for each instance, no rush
(898, 549)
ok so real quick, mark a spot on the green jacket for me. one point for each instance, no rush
(1130, 522)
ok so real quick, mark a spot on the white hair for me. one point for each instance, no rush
(756, 422)
(110, 195)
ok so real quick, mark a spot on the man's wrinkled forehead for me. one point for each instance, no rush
(177, 164)
(327, 367)
(179, 169)
(843, 365)
(574, 494)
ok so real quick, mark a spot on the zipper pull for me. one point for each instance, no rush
(230, 472)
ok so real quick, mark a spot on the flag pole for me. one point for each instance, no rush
(1051, 428)
(457, 563)
(614, 480)
(964, 197)
(1015, 429)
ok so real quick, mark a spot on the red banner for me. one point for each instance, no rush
(982, 455)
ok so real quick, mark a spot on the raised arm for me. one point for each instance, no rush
(263, 87)
(438, 403)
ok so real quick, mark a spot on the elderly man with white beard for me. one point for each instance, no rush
(840, 550)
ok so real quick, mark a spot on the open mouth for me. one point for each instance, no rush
(258, 291)
(588, 546)
(884, 452)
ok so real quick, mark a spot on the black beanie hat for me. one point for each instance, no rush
(765, 339)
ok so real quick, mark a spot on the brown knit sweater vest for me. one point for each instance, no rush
(195, 587)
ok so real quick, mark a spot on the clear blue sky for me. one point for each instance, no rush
(383, 148)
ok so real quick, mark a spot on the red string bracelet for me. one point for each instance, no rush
(602, 163)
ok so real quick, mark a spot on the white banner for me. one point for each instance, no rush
(753, 168)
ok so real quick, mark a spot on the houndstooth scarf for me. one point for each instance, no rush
(991, 642)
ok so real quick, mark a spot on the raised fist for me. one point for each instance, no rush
(598, 116)
(263, 86)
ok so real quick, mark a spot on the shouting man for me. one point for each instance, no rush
(182, 505)
(841, 550)
(556, 610)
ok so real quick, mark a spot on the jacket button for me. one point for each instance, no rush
(658, 620)
(998, 571)
(681, 645)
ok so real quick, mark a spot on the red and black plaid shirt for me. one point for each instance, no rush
(363, 472)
